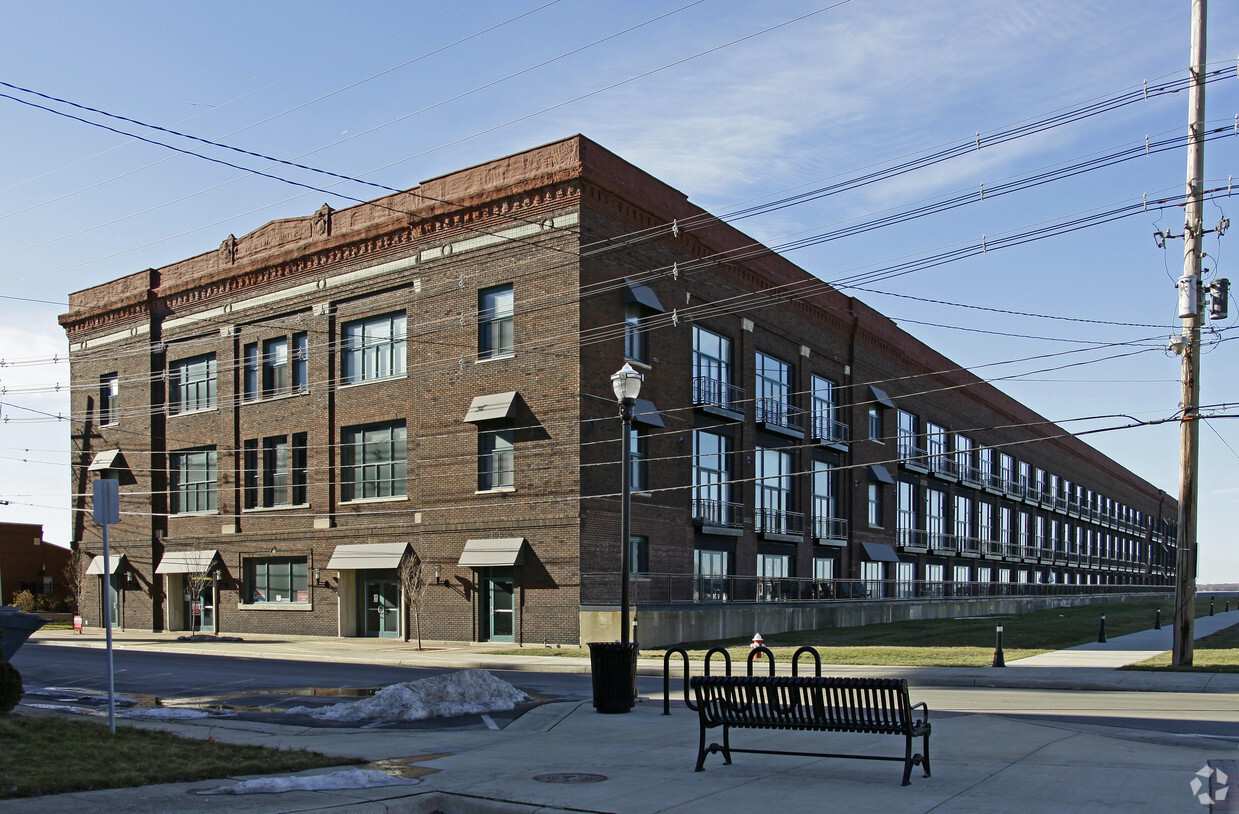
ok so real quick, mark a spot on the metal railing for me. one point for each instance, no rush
(830, 528)
(710, 392)
(827, 430)
(777, 521)
(778, 413)
(718, 513)
(674, 589)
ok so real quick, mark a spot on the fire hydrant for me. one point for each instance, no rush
(756, 643)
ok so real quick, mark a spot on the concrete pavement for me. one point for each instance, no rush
(643, 761)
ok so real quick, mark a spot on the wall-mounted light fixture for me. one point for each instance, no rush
(438, 575)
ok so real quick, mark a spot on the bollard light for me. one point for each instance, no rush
(999, 660)
(1101, 636)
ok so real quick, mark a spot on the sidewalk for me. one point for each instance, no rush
(643, 761)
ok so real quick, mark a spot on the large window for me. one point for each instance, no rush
(774, 491)
(937, 448)
(711, 570)
(963, 458)
(711, 368)
(827, 523)
(192, 479)
(907, 428)
(985, 526)
(875, 504)
(496, 335)
(496, 460)
(373, 348)
(276, 367)
(712, 503)
(985, 465)
(965, 539)
(277, 579)
(636, 332)
(772, 570)
(826, 424)
(1006, 530)
(874, 574)
(637, 453)
(191, 384)
(935, 518)
(276, 473)
(774, 391)
(373, 461)
(907, 515)
(109, 398)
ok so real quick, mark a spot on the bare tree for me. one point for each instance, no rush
(413, 584)
(75, 578)
(199, 566)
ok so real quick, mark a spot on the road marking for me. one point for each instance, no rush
(490, 723)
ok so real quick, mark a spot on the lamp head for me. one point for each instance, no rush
(626, 382)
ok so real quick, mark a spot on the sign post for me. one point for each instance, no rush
(107, 512)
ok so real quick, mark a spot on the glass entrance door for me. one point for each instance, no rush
(500, 608)
(113, 583)
(382, 604)
(200, 615)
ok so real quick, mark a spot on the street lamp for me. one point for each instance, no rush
(626, 382)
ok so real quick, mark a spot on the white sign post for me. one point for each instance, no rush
(107, 512)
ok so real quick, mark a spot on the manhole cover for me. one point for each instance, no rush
(570, 777)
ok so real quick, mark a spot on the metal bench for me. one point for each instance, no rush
(877, 706)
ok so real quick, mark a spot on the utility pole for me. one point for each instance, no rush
(1190, 302)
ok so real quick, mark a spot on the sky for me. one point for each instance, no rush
(733, 103)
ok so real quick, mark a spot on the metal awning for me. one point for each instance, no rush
(492, 408)
(107, 459)
(644, 412)
(367, 555)
(496, 552)
(881, 474)
(96, 565)
(879, 395)
(188, 562)
(642, 295)
(879, 552)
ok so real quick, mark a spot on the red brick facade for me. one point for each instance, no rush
(573, 231)
(27, 563)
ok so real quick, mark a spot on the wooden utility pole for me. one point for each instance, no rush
(1189, 292)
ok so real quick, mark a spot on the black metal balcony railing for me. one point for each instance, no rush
(911, 538)
(943, 465)
(708, 392)
(969, 474)
(912, 453)
(830, 528)
(672, 589)
(718, 513)
(777, 521)
(827, 430)
(778, 413)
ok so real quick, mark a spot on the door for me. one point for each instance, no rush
(113, 591)
(500, 616)
(200, 615)
(382, 605)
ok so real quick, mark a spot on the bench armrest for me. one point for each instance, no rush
(923, 706)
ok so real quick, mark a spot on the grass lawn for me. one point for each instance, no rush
(1218, 653)
(940, 642)
(47, 754)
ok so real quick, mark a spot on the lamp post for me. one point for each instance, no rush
(626, 382)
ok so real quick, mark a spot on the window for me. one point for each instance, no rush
(772, 569)
(934, 574)
(826, 424)
(774, 491)
(109, 394)
(278, 370)
(637, 452)
(1006, 472)
(905, 580)
(985, 525)
(908, 434)
(875, 504)
(875, 424)
(1025, 479)
(827, 524)
(963, 458)
(191, 477)
(278, 477)
(963, 524)
(873, 574)
(774, 391)
(496, 324)
(496, 460)
(635, 332)
(711, 570)
(373, 461)
(1025, 534)
(936, 447)
(712, 369)
(277, 579)
(907, 517)
(1005, 530)
(823, 569)
(935, 518)
(373, 348)
(712, 480)
(191, 384)
(639, 554)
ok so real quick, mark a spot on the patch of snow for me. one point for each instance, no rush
(349, 779)
(466, 692)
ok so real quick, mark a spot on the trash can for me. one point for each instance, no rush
(613, 666)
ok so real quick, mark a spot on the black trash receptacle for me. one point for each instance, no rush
(613, 666)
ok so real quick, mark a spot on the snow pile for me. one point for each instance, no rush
(349, 779)
(467, 692)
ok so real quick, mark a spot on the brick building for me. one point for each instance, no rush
(29, 563)
(295, 415)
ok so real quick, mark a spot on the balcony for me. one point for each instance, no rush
(912, 455)
(942, 466)
(940, 542)
(776, 524)
(970, 475)
(778, 416)
(718, 517)
(832, 531)
(966, 546)
(1012, 488)
(911, 539)
(829, 432)
(718, 398)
